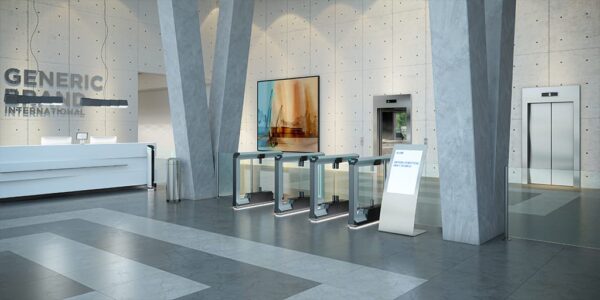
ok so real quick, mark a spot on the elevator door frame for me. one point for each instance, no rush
(558, 94)
(393, 102)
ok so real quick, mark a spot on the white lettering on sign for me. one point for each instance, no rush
(404, 172)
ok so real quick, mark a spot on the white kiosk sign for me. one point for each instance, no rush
(399, 203)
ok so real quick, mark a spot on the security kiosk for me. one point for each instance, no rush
(292, 177)
(252, 178)
(326, 185)
(367, 180)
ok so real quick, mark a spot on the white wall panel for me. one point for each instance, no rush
(378, 49)
(14, 5)
(514, 156)
(299, 53)
(14, 29)
(126, 132)
(349, 91)
(574, 24)
(327, 134)
(529, 70)
(87, 37)
(375, 82)
(348, 10)
(38, 128)
(148, 12)
(257, 55)
(92, 127)
(590, 145)
(322, 12)
(51, 41)
(91, 6)
(277, 50)
(322, 44)
(122, 85)
(13, 132)
(531, 27)
(409, 38)
(126, 9)
(299, 15)
(349, 46)
(407, 5)
(327, 97)
(376, 8)
(150, 55)
(277, 16)
(122, 47)
(347, 137)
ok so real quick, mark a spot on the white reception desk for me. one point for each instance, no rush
(38, 170)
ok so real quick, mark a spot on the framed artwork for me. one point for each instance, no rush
(288, 114)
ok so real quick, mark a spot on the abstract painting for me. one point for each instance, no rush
(288, 114)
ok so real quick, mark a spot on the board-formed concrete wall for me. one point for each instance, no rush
(69, 39)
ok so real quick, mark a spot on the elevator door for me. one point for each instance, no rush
(392, 128)
(551, 141)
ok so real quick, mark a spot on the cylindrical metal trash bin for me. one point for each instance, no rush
(173, 181)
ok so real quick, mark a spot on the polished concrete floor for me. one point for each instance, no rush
(131, 244)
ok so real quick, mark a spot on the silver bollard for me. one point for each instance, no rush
(173, 180)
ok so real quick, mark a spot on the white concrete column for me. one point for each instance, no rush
(469, 77)
(229, 73)
(187, 96)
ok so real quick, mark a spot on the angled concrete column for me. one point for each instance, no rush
(471, 121)
(229, 73)
(187, 96)
(500, 34)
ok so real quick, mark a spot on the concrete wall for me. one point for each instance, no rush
(69, 39)
(558, 43)
(371, 47)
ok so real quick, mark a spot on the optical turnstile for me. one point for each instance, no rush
(320, 209)
(366, 189)
(299, 177)
(251, 193)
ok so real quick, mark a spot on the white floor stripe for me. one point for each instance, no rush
(90, 296)
(111, 275)
(544, 204)
(333, 273)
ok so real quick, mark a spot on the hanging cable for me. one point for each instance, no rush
(37, 24)
(103, 51)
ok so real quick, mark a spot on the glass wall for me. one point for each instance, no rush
(565, 214)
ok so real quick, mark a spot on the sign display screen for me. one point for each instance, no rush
(404, 173)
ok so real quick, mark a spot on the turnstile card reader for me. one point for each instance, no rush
(327, 205)
(295, 167)
(367, 180)
(248, 168)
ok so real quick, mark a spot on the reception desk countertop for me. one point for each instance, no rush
(38, 170)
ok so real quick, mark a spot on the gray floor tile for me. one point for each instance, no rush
(522, 270)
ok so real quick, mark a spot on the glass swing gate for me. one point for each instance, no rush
(366, 186)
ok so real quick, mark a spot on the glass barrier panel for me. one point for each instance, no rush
(266, 175)
(559, 206)
(248, 176)
(296, 180)
(371, 180)
(429, 210)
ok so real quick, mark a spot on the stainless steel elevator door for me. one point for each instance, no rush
(562, 143)
(540, 143)
(551, 141)
(392, 128)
